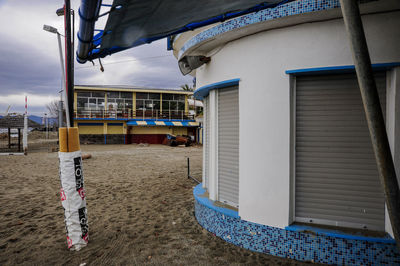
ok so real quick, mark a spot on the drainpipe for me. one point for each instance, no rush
(373, 112)
(88, 14)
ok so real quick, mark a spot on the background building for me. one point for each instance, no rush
(196, 109)
(287, 147)
(121, 114)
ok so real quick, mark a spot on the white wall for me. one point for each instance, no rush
(260, 62)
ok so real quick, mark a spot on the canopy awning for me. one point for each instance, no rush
(134, 22)
(151, 122)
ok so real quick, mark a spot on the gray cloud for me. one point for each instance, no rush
(30, 61)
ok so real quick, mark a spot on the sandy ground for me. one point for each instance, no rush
(140, 209)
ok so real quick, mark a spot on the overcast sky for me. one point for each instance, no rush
(29, 58)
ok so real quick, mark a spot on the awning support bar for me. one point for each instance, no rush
(373, 112)
(88, 14)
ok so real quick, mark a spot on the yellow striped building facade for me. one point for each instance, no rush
(125, 115)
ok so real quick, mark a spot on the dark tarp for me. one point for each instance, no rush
(138, 19)
(134, 22)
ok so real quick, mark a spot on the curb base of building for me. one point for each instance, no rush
(297, 245)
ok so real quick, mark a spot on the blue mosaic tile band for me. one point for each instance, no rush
(302, 246)
(291, 8)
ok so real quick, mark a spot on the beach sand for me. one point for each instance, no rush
(140, 211)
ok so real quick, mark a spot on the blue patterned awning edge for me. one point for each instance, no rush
(202, 92)
(151, 122)
(84, 53)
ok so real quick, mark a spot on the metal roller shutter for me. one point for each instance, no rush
(206, 140)
(337, 180)
(228, 146)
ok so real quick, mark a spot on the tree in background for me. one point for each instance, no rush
(53, 108)
(186, 87)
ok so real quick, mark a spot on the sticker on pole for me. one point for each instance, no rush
(73, 200)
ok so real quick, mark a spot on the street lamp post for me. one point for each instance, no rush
(46, 123)
(54, 30)
(67, 12)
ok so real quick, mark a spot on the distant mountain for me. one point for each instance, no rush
(35, 118)
(39, 119)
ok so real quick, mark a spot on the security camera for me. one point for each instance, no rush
(189, 63)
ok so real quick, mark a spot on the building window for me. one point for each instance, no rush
(90, 101)
(174, 103)
(119, 101)
(147, 101)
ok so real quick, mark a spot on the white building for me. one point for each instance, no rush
(287, 147)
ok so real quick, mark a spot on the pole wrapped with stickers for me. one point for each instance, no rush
(72, 190)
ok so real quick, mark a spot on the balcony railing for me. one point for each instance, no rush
(131, 114)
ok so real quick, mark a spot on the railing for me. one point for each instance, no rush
(131, 114)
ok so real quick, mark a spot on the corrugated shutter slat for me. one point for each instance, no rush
(206, 140)
(228, 146)
(336, 178)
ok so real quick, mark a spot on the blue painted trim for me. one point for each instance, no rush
(130, 119)
(298, 7)
(90, 124)
(198, 191)
(202, 92)
(107, 119)
(298, 245)
(169, 43)
(163, 120)
(153, 123)
(338, 69)
(339, 234)
(105, 138)
(115, 124)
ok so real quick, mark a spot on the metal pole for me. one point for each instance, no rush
(73, 43)
(9, 138)
(60, 113)
(63, 87)
(188, 164)
(189, 176)
(19, 140)
(46, 121)
(373, 112)
(25, 132)
(73, 59)
(69, 100)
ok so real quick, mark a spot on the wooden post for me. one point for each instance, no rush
(9, 138)
(19, 140)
